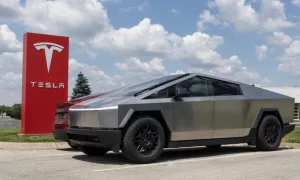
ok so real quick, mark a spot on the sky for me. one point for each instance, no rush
(122, 42)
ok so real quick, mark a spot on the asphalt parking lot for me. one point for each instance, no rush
(197, 163)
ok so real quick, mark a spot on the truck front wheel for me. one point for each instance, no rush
(144, 140)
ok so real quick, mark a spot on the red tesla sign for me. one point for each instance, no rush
(44, 80)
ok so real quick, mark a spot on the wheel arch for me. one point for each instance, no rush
(156, 114)
(263, 113)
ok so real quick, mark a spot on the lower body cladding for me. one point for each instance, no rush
(105, 139)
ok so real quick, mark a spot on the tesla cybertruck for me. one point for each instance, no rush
(180, 111)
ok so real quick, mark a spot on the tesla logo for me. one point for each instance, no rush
(48, 51)
(47, 85)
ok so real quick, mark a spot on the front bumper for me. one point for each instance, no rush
(288, 128)
(110, 139)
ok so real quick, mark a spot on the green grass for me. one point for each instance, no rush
(293, 137)
(10, 134)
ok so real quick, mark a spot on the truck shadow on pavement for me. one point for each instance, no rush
(172, 154)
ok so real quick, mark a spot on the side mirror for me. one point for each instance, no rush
(180, 92)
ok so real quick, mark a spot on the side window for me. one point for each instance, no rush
(193, 87)
(164, 93)
(224, 88)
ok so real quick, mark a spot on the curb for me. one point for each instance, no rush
(33, 146)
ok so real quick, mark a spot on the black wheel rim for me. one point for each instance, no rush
(146, 140)
(272, 133)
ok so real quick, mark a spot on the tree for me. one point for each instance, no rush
(15, 111)
(4, 109)
(82, 87)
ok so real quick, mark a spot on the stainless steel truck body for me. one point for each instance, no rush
(180, 111)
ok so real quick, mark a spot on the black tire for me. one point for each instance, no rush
(213, 146)
(269, 134)
(92, 151)
(139, 147)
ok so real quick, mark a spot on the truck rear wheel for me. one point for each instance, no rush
(144, 140)
(269, 134)
(92, 151)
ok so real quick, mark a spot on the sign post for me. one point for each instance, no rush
(44, 80)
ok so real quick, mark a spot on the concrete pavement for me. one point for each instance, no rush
(232, 163)
(33, 146)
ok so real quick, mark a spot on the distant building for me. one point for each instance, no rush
(292, 92)
(3, 115)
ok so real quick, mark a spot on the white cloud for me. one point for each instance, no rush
(9, 9)
(178, 72)
(10, 49)
(175, 11)
(296, 2)
(279, 38)
(261, 51)
(245, 18)
(291, 67)
(10, 76)
(8, 40)
(293, 51)
(135, 64)
(290, 59)
(152, 40)
(135, 69)
(79, 20)
(207, 17)
(146, 39)
(11, 60)
(10, 81)
(237, 12)
(272, 15)
(233, 69)
(10, 91)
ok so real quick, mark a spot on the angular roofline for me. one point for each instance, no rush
(219, 78)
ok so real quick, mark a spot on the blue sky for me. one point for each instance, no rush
(120, 42)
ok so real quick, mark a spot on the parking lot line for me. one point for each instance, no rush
(196, 160)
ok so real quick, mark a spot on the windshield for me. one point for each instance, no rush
(83, 97)
(132, 90)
